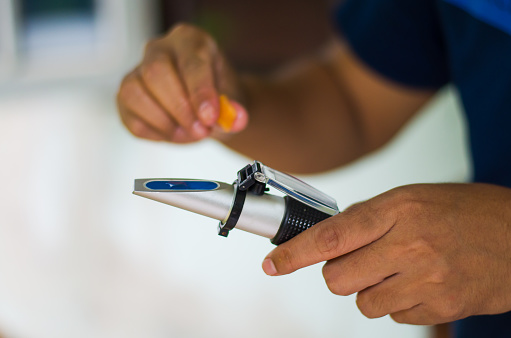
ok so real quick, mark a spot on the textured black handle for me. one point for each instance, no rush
(299, 217)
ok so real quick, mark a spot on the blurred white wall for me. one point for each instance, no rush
(80, 256)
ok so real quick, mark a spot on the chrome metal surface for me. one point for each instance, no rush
(299, 190)
(259, 177)
(215, 203)
(261, 214)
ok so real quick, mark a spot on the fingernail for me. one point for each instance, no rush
(269, 267)
(199, 130)
(207, 113)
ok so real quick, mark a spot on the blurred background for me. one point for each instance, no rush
(80, 256)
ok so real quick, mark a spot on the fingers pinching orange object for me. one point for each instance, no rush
(227, 114)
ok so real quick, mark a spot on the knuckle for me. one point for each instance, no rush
(193, 36)
(450, 311)
(365, 305)
(367, 213)
(408, 200)
(329, 239)
(130, 89)
(151, 46)
(335, 289)
(336, 281)
(203, 49)
(354, 209)
(193, 64)
(411, 207)
(338, 288)
(399, 318)
(154, 68)
(371, 304)
(182, 28)
(420, 249)
(440, 274)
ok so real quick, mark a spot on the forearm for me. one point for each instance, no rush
(316, 115)
(299, 121)
(321, 113)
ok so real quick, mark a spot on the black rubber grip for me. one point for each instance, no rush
(299, 217)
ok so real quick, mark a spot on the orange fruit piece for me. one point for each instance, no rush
(227, 114)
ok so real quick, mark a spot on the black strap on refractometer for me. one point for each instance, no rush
(246, 182)
(235, 213)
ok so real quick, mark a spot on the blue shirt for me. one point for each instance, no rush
(429, 43)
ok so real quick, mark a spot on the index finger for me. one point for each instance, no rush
(354, 228)
(196, 69)
(194, 52)
(164, 84)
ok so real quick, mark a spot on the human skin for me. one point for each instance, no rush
(425, 254)
(297, 115)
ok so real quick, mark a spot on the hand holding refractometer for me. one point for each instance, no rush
(245, 203)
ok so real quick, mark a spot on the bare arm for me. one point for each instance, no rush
(322, 112)
(313, 115)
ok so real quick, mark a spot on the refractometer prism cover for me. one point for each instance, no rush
(246, 204)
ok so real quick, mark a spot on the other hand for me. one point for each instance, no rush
(173, 95)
